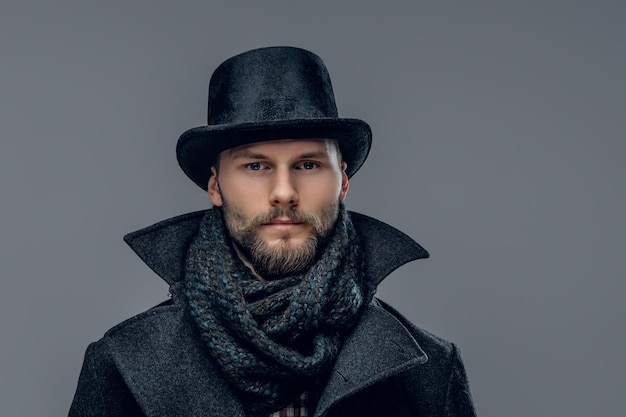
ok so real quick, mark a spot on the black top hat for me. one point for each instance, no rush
(269, 94)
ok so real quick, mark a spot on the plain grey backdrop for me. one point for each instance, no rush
(499, 145)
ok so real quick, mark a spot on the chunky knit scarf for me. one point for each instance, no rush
(272, 339)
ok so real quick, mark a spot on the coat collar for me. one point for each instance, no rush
(163, 246)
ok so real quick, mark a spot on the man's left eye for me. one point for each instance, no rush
(309, 165)
(254, 166)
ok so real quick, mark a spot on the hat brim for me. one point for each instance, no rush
(197, 148)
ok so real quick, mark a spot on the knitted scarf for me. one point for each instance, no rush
(271, 339)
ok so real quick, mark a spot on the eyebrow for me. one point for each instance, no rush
(314, 155)
(246, 153)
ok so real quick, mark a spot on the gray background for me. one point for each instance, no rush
(499, 145)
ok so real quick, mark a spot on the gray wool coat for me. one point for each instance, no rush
(154, 364)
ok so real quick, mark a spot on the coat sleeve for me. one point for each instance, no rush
(101, 390)
(458, 398)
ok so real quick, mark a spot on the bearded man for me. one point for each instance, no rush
(272, 309)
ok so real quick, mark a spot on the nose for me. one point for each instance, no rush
(283, 189)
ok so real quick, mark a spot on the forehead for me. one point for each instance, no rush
(284, 147)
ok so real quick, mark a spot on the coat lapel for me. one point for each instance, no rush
(379, 347)
(165, 366)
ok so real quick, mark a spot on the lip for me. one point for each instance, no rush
(283, 224)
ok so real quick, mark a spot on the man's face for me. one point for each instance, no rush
(280, 199)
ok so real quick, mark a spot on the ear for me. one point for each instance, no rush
(344, 182)
(213, 189)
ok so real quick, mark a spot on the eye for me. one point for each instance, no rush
(255, 166)
(307, 166)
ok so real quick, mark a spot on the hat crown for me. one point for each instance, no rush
(270, 84)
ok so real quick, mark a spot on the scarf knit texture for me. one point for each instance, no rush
(272, 339)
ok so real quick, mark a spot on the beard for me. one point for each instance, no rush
(283, 258)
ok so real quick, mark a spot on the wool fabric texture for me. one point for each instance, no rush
(271, 339)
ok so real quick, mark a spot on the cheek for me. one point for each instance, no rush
(322, 194)
(245, 196)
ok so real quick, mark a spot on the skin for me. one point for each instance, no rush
(285, 192)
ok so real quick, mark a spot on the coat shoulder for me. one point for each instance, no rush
(145, 318)
(99, 354)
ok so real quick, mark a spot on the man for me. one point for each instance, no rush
(273, 309)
